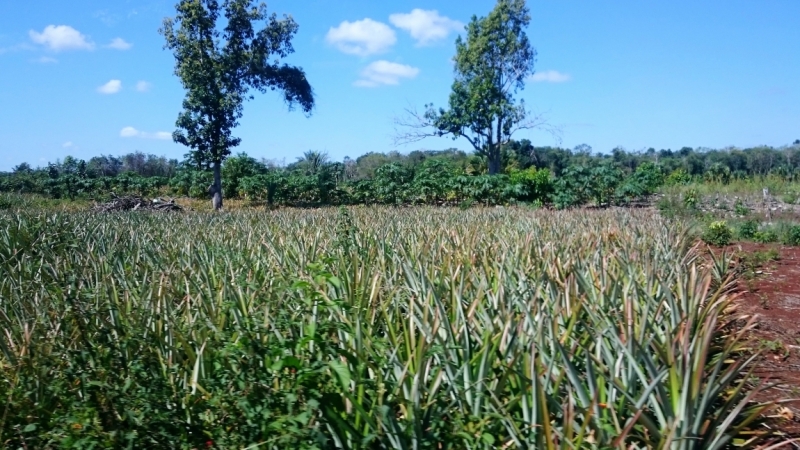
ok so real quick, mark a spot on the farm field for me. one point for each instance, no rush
(373, 327)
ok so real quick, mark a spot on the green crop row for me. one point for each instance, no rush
(369, 328)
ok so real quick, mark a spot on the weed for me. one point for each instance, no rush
(718, 233)
(748, 229)
(740, 209)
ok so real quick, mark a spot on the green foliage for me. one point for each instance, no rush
(678, 177)
(740, 209)
(748, 229)
(793, 236)
(399, 328)
(536, 185)
(577, 177)
(237, 168)
(579, 185)
(219, 64)
(691, 198)
(491, 65)
(433, 181)
(718, 233)
(766, 236)
(393, 184)
(643, 182)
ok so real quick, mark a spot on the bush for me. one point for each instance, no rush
(678, 177)
(748, 229)
(766, 236)
(718, 233)
(691, 199)
(740, 208)
(793, 236)
(535, 185)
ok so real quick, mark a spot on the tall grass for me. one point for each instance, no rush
(781, 188)
(368, 328)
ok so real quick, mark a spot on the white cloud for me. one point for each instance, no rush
(130, 132)
(550, 76)
(68, 144)
(362, 38)
(61, 37)
(385, 73)
(143, 86)
(46, 60)
(426, 26)
(119, 44)
(112, 87)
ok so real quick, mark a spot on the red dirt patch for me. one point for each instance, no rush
(771, 292)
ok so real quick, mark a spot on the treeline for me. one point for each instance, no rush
(541, 175)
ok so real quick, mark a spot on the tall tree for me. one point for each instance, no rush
(219, 62)
(491, 65)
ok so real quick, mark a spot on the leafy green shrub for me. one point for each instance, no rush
(748, 229)
(718, 233)
(740, 208)
(766, 236)
(535, 184)
(678, 177)
(691, 199)
(792, 236)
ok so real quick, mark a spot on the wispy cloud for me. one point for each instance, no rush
(143, 86)
(68, 144)
(112, 87)
(119, 44)
(426, 26)
(107, 18)
(45, 60)
(550, 76)
(363, 38)
(130, 132)
(385, 73)
(61, 37)
(16, 48)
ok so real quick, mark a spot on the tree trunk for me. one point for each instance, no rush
(495, 161)
(216, 188)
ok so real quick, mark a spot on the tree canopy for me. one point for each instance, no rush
(220, 58)
(491, 66)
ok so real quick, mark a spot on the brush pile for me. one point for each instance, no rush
(136, 203)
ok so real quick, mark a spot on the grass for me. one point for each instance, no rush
(751, 187)
(407, 328)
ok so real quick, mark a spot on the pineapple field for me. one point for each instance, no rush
(407, 328)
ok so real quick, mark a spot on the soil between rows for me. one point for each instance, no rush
(771, 293)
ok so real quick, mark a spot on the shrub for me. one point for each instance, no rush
(766, 236)
(678, 177)
(740, 208)
(718, 233)
(691, 199)
(793, 236)
(790, 197)
(748, 229)
(536, 184)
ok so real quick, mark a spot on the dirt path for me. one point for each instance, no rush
(772, 293)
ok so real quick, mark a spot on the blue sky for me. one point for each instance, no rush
(90, 77)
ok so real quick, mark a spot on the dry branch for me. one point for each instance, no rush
(136, 203)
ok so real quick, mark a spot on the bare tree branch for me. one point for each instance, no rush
(413, 127)
(539, 122)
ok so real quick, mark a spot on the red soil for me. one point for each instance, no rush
(772, 294)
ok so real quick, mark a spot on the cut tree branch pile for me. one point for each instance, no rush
(136, 203)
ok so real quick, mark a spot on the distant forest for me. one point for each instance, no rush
(539, 175)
